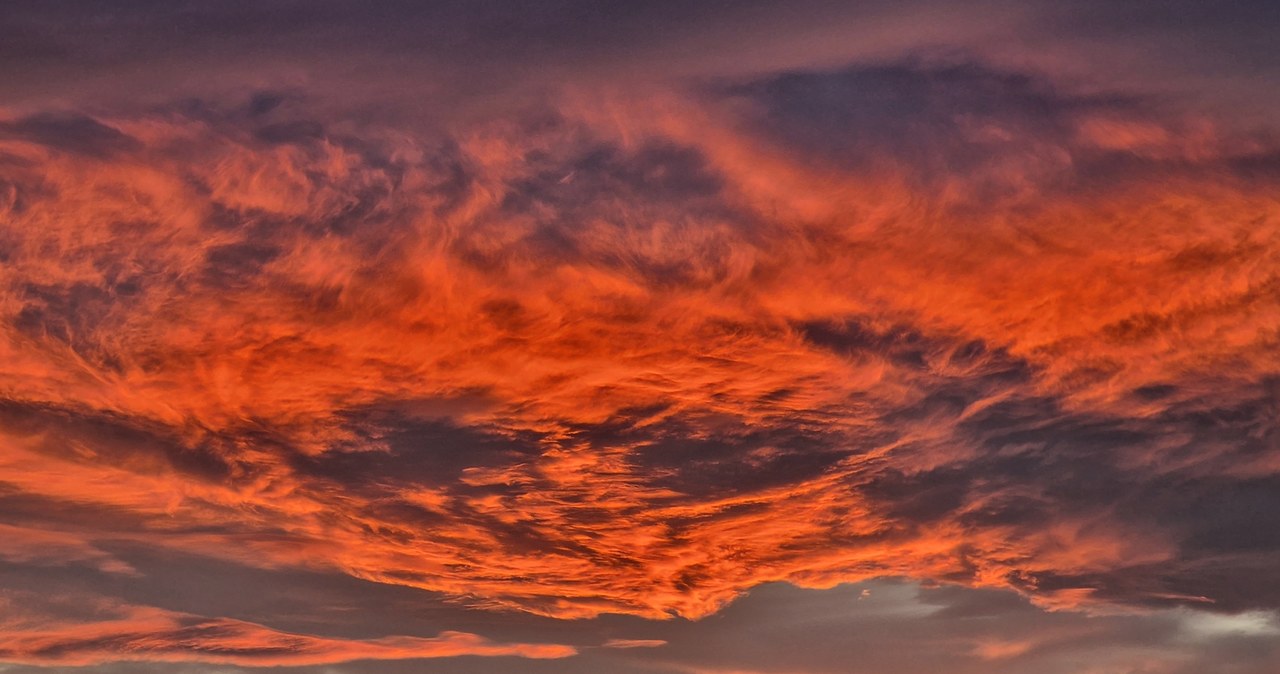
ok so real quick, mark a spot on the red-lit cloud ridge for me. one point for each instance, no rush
(638, 354)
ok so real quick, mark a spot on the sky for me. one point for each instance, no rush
(639, 337)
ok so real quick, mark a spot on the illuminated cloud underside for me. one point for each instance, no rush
(640, 352)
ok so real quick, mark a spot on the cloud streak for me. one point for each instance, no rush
(143, 634)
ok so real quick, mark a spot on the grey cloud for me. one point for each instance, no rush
(71, 132)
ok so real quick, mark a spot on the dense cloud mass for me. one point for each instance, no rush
(613, 356)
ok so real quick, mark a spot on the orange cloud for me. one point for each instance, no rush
(635, 362)
(634, 643)
(143, 634)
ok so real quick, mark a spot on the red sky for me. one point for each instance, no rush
(639, 339)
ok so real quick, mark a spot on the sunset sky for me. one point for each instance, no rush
(640, 337)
